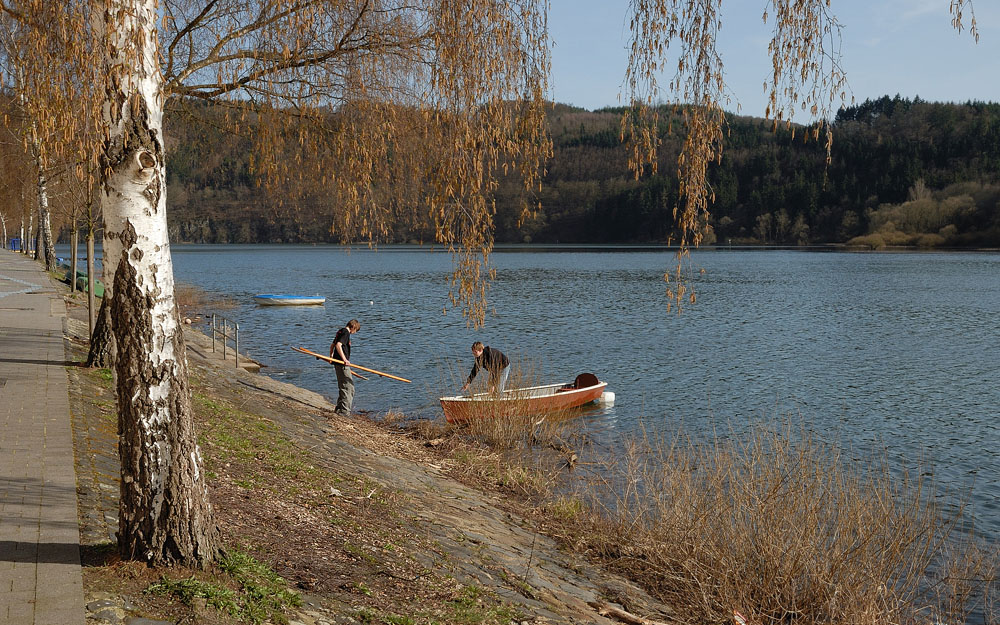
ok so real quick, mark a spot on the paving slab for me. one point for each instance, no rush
(40, 577)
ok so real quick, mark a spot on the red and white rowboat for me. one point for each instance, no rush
(524, 401)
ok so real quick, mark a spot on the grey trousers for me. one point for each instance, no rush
(345, 386)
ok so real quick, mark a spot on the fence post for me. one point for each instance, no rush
(229, 330)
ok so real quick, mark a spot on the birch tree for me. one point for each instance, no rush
(32, 49)
(350, 81)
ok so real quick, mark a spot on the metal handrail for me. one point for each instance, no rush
(228, 330)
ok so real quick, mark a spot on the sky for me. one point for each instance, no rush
(889, 47)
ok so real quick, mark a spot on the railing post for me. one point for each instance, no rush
(228, 330)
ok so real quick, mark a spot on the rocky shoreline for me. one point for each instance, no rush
(395, 533)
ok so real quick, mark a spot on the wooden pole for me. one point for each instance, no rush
(352, 365)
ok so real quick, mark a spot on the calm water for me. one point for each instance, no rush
(899, 350)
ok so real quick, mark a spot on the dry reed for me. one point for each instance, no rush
(193, 301)
(782, 528)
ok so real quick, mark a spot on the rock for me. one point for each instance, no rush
(96, 606)
(109, 615)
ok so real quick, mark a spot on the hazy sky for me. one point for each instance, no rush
(889, 46)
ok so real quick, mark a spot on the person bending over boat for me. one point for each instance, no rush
(341, 350)
(495, 362)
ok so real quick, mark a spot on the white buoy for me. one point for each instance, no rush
(371, 302)
(607, 398)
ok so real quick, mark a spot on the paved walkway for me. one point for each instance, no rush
(40, 579)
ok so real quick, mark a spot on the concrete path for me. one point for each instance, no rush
(40, 578)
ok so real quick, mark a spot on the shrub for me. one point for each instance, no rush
(868, 241)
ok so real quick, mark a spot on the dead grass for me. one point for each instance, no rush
(781, 528)
(194, 302)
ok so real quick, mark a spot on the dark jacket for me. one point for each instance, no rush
(493, 360)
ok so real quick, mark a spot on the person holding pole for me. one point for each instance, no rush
(495, 362)
(341, 350)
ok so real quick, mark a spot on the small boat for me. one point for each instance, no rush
(267, 299)
(524, 401)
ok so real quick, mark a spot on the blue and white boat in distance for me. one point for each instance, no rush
(269, 299)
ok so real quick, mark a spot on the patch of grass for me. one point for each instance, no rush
(472, 606)
(518, 584)
(262, 595)
(269, 457)
(187, 590)
(267, 592)
(566, 508)
(360, 553)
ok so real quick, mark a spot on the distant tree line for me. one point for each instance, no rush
(902, 172)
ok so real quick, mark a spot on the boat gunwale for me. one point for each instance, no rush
(486, 397)
(274, 299)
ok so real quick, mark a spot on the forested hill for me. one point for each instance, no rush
(903, 172)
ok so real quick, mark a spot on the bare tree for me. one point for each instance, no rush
(25, 49)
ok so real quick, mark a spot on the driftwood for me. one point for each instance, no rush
(626, 617)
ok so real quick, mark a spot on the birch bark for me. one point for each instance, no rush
(44, 218)
(164, 516)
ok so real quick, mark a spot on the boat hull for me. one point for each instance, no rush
(289, 300)
(520, 401)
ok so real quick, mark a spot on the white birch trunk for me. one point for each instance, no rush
(3, 222)
(31, 230)
(44, 217)
(48, 248)
(91, 310)
(74, 244)
(164, 514)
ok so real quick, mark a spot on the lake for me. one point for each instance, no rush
(889, 349)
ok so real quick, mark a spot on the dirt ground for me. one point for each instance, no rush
(368, 523)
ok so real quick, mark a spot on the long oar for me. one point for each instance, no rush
(352, 365)
(328, 359)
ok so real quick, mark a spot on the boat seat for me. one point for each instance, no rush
(582, 381)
